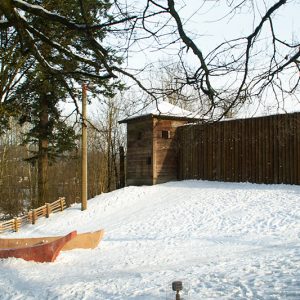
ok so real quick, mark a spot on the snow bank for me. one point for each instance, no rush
(223, 240)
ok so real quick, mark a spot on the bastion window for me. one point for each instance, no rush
(166, 134)
(139, 135)
(149, 160)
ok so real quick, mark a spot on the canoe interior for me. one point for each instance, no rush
(42, 252)
(88, 240)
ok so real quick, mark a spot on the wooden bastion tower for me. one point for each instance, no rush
(152, 145)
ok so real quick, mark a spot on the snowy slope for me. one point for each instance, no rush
(223, 240)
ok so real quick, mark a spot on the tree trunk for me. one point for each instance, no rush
(43, 153)
(122, 167)
(109, 135)
(115, 165)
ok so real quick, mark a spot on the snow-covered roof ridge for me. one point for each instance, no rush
(168, 109)
(163, 108)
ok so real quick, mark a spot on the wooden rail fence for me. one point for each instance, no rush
(31, 217)
(259, 150)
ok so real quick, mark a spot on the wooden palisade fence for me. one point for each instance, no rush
(259, 150)
(32, 216)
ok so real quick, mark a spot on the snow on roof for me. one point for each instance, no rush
(162, 109)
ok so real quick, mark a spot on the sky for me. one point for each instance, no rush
(210, 23)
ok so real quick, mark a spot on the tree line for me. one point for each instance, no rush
(19, 173)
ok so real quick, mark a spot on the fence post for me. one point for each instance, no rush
(16, 225)
(33, 216)
(48, 210)
(61, 203)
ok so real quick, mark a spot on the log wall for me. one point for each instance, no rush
(139, 152)
(258, 150)
(165, 160)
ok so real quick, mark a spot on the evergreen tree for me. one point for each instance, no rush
(12, 67)
(40, 92)
(37, 98)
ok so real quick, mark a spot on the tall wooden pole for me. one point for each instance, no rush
(84, 150)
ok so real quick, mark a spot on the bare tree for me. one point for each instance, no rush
(108, 136)
(15, 174)
(230, 70)
(238, 69)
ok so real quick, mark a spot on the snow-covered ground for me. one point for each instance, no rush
(223, 240)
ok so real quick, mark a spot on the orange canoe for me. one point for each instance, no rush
(88, 240)
(40, 251)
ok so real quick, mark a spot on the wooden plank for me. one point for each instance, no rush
(193, 154)
(181, 156)
(204, 152)
(284, 150)
(243, 140)
(297, 149)
(209, 152)
(253, 159)
(204, 157)
(186, 156)
(199, 149)
(232, 150)
(214, 149)
(276, 150)
(237, 151)
(294, 151)
(197, 158)
(262, 131)
(197, 143)
(262, 148)
(280, 149)
(223, 157)
(228, 152)
(290, 154)
(246, 146)
(218, 151)
(270, 157)
(230, 136)
(257, 154)
(224, 160)
(183, 149)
